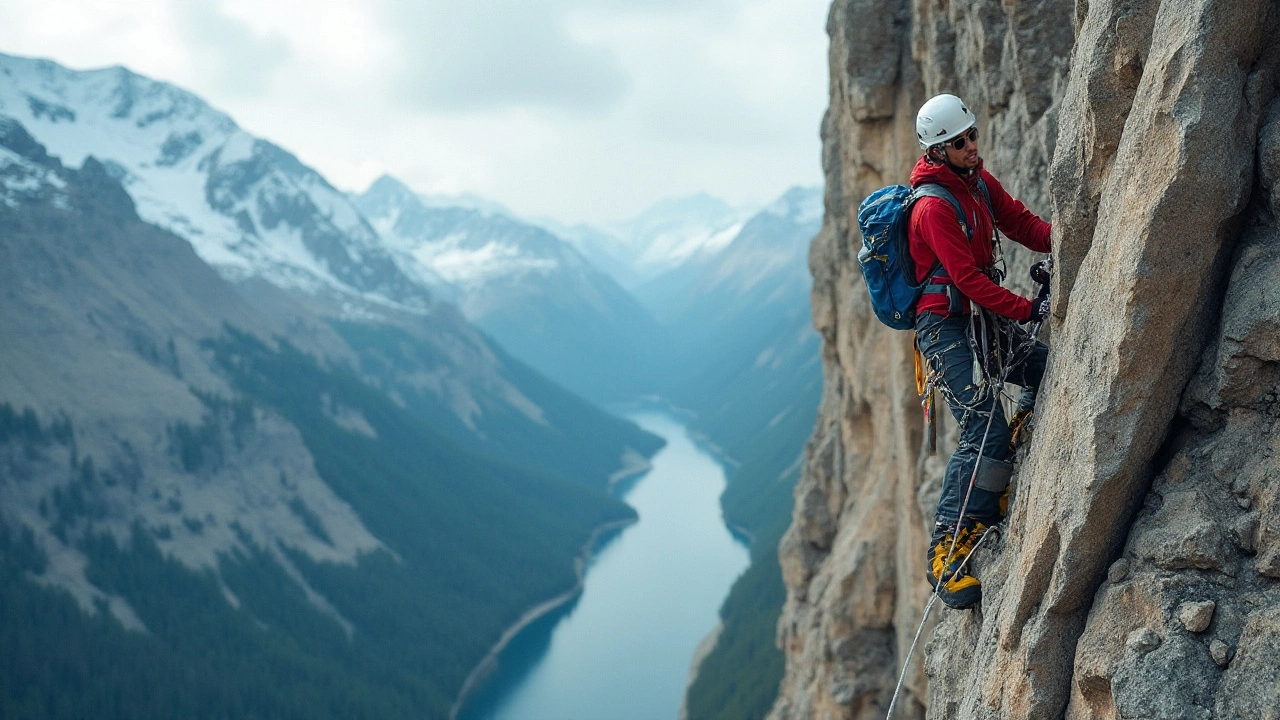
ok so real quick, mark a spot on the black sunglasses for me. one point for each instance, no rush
(969, 137)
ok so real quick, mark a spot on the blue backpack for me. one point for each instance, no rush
(884, 258)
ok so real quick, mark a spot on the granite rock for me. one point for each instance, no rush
(1196, 616)
(1146, 506)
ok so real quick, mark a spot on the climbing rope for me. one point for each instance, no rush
(955, 538)
(933, 597)
(1021, 343)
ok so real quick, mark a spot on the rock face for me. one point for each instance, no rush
(1138, 576)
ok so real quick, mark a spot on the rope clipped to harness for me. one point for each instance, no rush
(933, 598)
(994, 373)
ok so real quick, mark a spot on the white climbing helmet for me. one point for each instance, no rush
(942, 118)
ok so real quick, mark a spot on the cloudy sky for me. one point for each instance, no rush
(581, 110)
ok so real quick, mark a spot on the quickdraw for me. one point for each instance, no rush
(924, 388)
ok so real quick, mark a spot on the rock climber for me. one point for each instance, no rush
(959, 270)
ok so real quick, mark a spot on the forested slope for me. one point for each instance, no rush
(203, 518)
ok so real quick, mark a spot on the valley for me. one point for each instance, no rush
(622, 647)
(247, 418)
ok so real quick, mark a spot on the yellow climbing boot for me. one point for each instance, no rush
(1019, 432)
(949, 573)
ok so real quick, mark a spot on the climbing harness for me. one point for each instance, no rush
(993, 365)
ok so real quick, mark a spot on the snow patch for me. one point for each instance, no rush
(462, 265)
(237, 148)
(128, 121)
(22, 181)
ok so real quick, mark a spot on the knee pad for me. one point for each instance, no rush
(993, 475)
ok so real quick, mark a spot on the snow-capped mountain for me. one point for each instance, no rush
(248, 207)
(465, 200)
(463, 245)
(242, 513)
(109, 312)
(601, 248)
(296, 249)
(527, 287)
(676, 230)
(671, 233)
(764, 262)
(769, 255)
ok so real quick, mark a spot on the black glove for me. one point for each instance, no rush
(1040, 271)
(1039, 308)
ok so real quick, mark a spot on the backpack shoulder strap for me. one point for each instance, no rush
(986, 193)
(937, 191)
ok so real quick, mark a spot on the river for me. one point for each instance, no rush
(622, 649)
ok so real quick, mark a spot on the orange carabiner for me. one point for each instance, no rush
(925, 390)
(921, 380)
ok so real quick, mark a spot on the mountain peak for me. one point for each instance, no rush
(801, 205)
(701, 204)
(56, 93)
(247, 206)
(388, 185)
(386, 198)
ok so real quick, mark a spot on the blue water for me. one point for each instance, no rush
(622, 649)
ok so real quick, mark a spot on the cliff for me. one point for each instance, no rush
(1138, 575)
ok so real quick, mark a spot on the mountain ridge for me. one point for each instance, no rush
(528, 288)
(263, 219)
(249, 207)
(171, 458)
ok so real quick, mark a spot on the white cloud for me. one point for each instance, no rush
(464, 55)
(579, 109)
(240, 60)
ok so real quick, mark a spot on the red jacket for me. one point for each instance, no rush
(934, 234)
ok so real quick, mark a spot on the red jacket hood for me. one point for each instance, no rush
(942, 174)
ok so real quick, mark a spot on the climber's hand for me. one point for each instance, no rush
(1040, 271)
(1039, 309)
